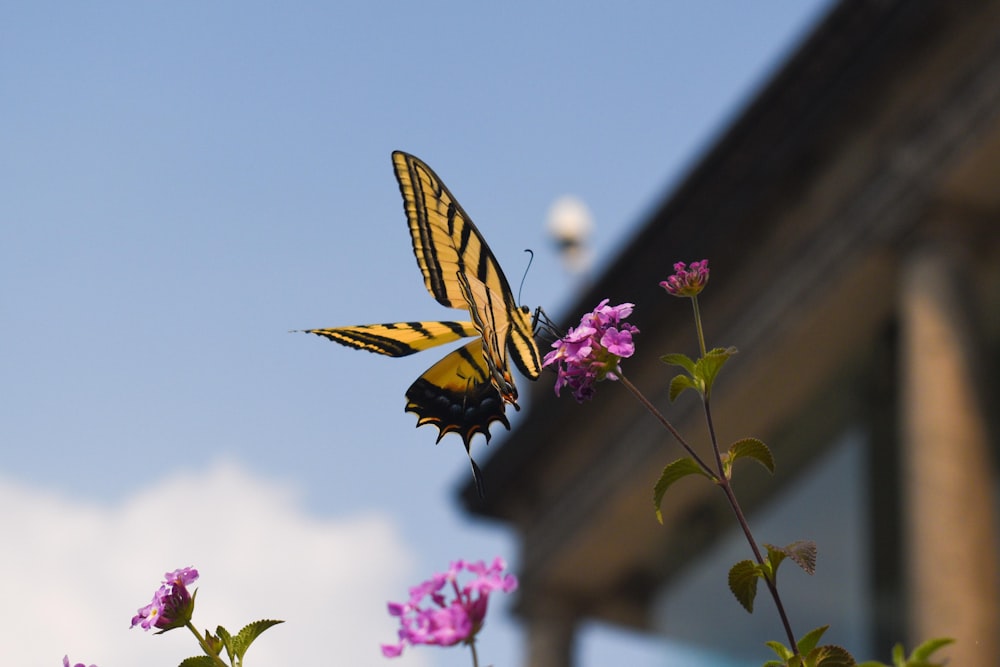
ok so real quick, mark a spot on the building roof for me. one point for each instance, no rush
(884, 117)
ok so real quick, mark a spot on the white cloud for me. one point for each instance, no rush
(75, 573)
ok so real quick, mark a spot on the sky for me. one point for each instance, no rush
(182, 184)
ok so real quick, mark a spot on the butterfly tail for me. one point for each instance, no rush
(478, 475)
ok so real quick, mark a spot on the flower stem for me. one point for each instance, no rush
(727, 488)
(475, 656)
(697, 324)
(723, 482)
(666, 424)
(204, 645)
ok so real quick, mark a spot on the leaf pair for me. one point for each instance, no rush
(809, 654)
(830, 655)
(750, 448)
(701, 374)
(235, 646)
(921, 656)
(744, 575)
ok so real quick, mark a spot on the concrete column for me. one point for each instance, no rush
(948, 479)
(551, 631)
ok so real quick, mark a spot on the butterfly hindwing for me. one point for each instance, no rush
(456, 395)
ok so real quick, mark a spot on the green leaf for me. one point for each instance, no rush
(681, 360)
(774, 557)
(671, 473)
(803, 552)
(750, 448)
(831, 656)
(708, 367)
(810, 639)
(783, 651)
(227, 641)
(214, 643)
(250, 632)
(198, 661)
(743, 583)
(678, 384)
(919, 658)
(924, 651)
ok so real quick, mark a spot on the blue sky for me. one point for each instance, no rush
(181, 184)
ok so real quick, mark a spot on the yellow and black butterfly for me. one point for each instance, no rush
(467, 390)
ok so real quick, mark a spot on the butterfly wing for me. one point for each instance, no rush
(399, 339)
(447, 244)
(489, 317)
(445, 240)
(456, 395)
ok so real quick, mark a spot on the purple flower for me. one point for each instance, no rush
(590, 352)
(438, 621)
(79, 664)
(687, 282)
(172, 604)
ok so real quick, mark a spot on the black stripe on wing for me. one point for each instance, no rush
(445, 240)
(521, 344)
(397, 339)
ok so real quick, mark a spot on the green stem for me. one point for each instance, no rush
(475, 657)
(723, 482)
(204, 645)
(727, 488)
(697, 324)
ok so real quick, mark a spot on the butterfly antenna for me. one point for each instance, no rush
(531, 258)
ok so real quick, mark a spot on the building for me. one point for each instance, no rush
(851, 216)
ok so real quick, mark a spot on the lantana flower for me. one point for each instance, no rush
(687, 281)
(430, 618)
(79, 664)
(592, 351)
(172, 604)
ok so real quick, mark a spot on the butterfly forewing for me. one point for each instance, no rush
(522, 345)
(445, 240)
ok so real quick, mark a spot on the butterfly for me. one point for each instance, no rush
(468, 389)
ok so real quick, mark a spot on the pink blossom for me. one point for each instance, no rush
(172, 604)
(79, 664)
(687, 282)
(430, 618)
(592, 351)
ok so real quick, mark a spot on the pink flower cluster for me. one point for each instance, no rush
(79, 664)
(440, 622)
(687, 282)
(172, 604)
(590, 352)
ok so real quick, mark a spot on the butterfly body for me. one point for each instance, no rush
(466, 390)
